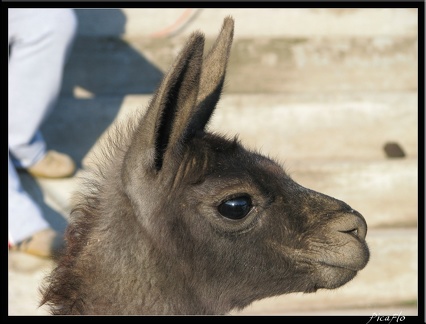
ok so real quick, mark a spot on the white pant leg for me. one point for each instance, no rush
(25, 216)
(39, 41)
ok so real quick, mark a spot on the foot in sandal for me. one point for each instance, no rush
(46, 243)
(53, 165)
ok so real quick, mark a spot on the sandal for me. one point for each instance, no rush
(46, 243)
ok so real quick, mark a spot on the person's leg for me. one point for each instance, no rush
(29, 232)
(25, 216)
(39, 40)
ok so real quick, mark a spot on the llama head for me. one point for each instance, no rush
(236, 226)
(179, 220)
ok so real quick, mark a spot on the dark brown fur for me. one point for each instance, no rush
(147, 235)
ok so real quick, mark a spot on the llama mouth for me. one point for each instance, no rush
(348, 266)
(338, 266)
(353, 258)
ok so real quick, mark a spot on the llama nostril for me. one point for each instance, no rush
(355, 232)
(359, 228)
(353, 223)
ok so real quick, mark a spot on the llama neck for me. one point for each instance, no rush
(149, 287)
(154, 281)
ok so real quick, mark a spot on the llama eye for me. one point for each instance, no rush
(235, 208)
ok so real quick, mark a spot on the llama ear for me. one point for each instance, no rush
(183, 104)
(212, 77)
(162, 128)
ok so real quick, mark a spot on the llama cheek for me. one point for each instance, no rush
(283, 250)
